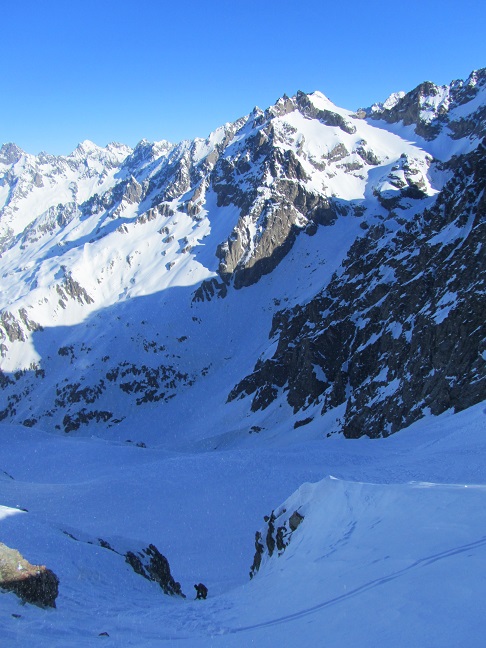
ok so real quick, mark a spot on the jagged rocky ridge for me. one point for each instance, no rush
(428, 109)
(416, 335)
(396, 331)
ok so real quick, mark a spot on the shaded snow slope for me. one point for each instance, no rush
(390, 550)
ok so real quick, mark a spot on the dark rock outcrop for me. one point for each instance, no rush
(151, 564)
(209, 289)
(70, 288)
(32, 583)
(400, 331)
(10, 153)
(277, 536)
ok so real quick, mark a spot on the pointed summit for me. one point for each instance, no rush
(10, 153)
(86, 147)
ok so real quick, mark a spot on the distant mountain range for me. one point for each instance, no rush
(305, 263)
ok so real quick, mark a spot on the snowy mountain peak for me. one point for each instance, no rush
(320, 100)
(86, 147)
(321, 219)
(10, 154)
(320, 96)
(439, 112)
(389, 103)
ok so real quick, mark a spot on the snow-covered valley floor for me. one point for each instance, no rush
(391, 551)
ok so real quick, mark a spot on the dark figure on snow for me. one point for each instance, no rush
(202, 591)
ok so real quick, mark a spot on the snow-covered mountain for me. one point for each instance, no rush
(189, 329)
(303, 259)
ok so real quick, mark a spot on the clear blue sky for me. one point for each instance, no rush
(123, 70)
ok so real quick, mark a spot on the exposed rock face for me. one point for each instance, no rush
(410, 109)
(151, 564)
(12, 327)
(145, 561)
(276, 536)
(209, 289)
(401, 330)
(15, 328)
(327, 117)
(133, 191)
(271, 216)
(32, 583)
(70, 288)
(10, 153)
(427, 107)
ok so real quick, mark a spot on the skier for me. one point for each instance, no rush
(202, 591)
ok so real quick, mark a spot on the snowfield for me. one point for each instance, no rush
(391, 550)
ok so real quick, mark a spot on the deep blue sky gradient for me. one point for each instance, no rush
(122, 70)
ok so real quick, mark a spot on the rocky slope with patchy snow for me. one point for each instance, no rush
(415, 336)
(301, 261)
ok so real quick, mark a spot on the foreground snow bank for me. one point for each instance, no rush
(390, 551)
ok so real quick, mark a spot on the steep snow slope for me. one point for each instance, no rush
(391, 548)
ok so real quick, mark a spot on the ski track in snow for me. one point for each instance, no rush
(422, 562)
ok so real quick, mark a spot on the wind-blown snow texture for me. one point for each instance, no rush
(184, 331)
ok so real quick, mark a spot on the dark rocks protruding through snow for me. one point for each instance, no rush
(151, 564)
(32, 583)
(277, 535)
